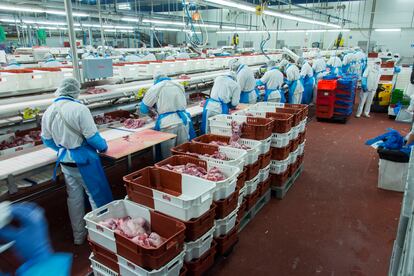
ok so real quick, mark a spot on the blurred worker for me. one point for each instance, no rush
(308, 81)
(370, 80)
(246, 80)
(148, 56)
(89, 53)
(132, 58)
(347, 62)
(225, 95)
(13, 64)
(361, 60)
(293, 81)
(183, 54)
(272, 80)
(69, 129)
(319, 69)
(334, 64)
(50, 61)
(31, 243)
(170, 101)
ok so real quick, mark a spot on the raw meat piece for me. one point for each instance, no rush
(214, 174)
(155, 240)
(236, 130)
(94, 90)
(232, 144)
(217, 155)
(110, 223)
(134, 123)
(218, 143)
(131, 227)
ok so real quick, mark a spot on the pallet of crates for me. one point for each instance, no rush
(116, 254)
(325, 99)
(344, 98)
(166, 192)
(288, 136)
(225, 198)
(254, 128)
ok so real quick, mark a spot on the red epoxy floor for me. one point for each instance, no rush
(333, 221)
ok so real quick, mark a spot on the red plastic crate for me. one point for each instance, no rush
(252, 170)
(264, 186)
(281, 153)
(265, 159)
(241, 179)
(324, 111)
(282, 122)
(199, 267)
(279, 180)
(327, 85)
(227, 205)
(226, 242)
(295, 144)
(257, 128)
(297, 114)
(197, 227)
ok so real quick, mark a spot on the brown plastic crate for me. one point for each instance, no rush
(172, 230)
(177, 160)
(252, 170)
(252, 199)
(194, 149)
(226, 242)
(183, 271)
(104, 256)
(197, 227)
(241, 179)
(265, 159)
(300, 158)
(282, 122)
(242, 209)
(257, 128)
(281, 153)
(227, 205)
(295, 144)
(208, 138)
(265, 186)
(302, 137)
(278, 180)
(297, 116)
(200, 266)
(303, 107)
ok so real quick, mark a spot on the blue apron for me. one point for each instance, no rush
(224, 110)
(90, 167)
(244, 95)
(292, 87)
(270, 91)
(345, 68)
(308, 85)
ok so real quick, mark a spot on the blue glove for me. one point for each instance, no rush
(364, 84)
(97, 142)
(50, 144)
(259, 83)
(143, 108)
(230, 106)
(397, 70)
(31, 238)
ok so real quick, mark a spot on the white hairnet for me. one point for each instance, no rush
(378, 60)
(69, 87)
(271, 63)
(48, 56)
(159, 74)
(283, 64)
(234, 64)
(300, 61)
(232, 75)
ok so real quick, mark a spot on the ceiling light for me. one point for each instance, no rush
(27, 21)
(20, 8)
(167, 29)
(61, 12)
(388, 30)
(339, 30)
(124, 6)
(281, 31)
(232, 4)
(163, 22)
(130, 19)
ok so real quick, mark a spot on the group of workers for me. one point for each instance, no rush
(69, 129)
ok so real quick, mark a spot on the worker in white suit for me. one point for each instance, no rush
(307, 79)
(148, 56)
(347, 62)
(69, 128)
(183, 54)
(170, 101)
(50, 61)
(361, 60)
(334, 64)
(319, 69)
(370, 80)
(13, 64)
(273, 81)
(225, 95)
(293, 81)
(246, 80)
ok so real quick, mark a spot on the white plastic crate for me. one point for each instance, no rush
(301, 148)
(251, 185)
(39, 80)
(237, 157)
(224, 226)
(302, 125)
(294, 132)
(252, 154)
(195, 249)
(99, 269)
(279, 166)
(264, 173)
(8, 82)
(242, 194)
(280, 140)
(265, 145)
(293, 156)
(126, 268)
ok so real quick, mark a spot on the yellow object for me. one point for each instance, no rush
(29, 113)
(384, 93)
(259, 10)
(141, 93)
(235, 40)
(185, 83)
(196, 16)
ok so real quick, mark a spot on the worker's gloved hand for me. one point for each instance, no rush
(50, 144)
(397, 70)
(31, 237)
(364, 84)
(259, 83)
(98, 143)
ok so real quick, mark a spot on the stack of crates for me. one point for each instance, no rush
(325, 100)
(345, 96)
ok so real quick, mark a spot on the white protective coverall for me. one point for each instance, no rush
(247, 82)
(182, 55)
(335, 64)
(149, 57)
(319, 68)
(224, 95)
(372, 74)
(273, 79)
(169, 97)
(68, 141)
(293, 75)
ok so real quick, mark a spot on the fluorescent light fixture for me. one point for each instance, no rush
(176, 23)
(250, 8)
(118, 31)
(8, 20)
(339, 30)
(63, 13)
(130, 19)
(38, 10)
(124, 6)
(167, 29)
(27, 21)
(388, 30)
(281, 31)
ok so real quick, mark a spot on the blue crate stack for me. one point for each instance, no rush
(345, 95)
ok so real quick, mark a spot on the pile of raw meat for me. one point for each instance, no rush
(232, 144)
(217, 155)
(94, 90)
(214, 174)
(137, 230)
(134, 123)
(33, 136)
(106, 119)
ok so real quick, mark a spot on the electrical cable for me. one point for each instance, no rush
(263, 42)
(191, 34)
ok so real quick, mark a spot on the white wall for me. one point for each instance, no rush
(388, 14)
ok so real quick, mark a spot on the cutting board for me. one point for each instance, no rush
(134, 142)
